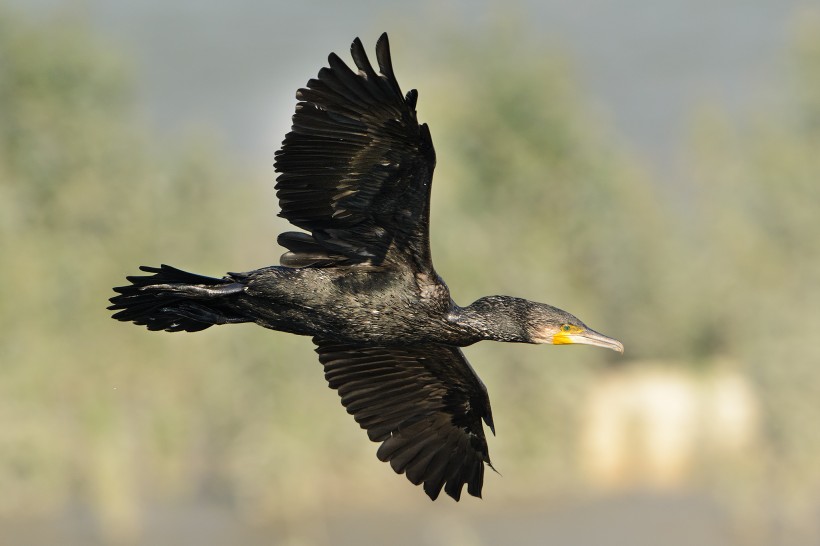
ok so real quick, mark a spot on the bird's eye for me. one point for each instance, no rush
(565, 327)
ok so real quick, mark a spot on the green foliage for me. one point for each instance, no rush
(758, 202)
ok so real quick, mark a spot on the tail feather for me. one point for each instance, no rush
(176, 301)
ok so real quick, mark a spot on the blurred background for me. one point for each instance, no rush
(651, 166)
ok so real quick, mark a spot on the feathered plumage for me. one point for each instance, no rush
(355, 173)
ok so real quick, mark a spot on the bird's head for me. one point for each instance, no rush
(548, 324)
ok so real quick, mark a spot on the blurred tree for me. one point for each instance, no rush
(758, 204)
(89, 411)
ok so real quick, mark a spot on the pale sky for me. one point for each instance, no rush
(233, 67)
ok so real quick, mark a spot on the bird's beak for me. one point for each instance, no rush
(588, 337)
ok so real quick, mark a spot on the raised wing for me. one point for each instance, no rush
(356, 169)
(425, 404)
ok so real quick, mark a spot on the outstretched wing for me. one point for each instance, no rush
(356, 168)
(425, 404)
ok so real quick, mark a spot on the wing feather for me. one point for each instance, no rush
(355, 169)
(425, 404)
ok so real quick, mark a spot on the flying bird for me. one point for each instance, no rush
(355, 173)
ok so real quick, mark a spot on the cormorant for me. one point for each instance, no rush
(355, 173)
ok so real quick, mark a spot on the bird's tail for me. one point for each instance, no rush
(175, 301)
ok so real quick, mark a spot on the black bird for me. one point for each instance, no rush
(355, 173)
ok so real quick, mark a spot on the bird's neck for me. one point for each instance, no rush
(495, 318)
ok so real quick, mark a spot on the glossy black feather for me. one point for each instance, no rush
(355, 170)
(424, 403)
(167, 308)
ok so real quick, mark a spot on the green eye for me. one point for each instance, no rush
(565, 327)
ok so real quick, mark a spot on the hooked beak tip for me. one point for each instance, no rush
(591, 337)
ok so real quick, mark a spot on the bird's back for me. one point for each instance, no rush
(355, 304)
